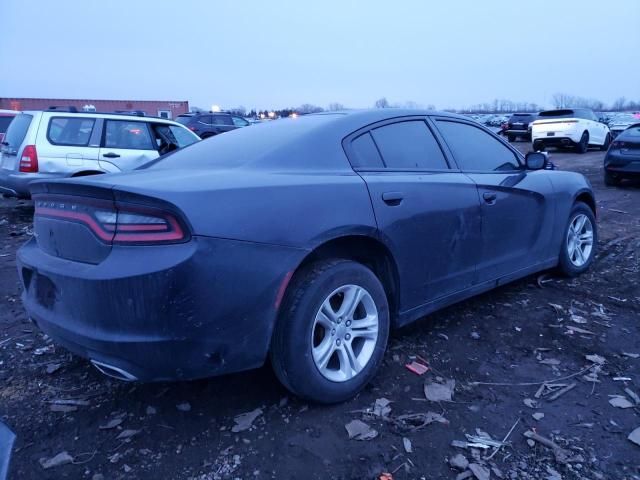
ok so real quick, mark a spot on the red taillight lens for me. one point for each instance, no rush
(617, 144)
(29, 159)
(123, 224)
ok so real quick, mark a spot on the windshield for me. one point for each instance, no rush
(16, 132)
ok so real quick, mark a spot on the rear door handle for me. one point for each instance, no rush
(489, 197)
(110, 155)
(392, 198)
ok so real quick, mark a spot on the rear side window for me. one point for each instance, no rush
(183, 119)
(222, 120)
(476, 150)
(5, 120)
(178, 136)
(128, 135)
(206, 119)
(17, 131)
(365, 153)
(409, 145)
(72, 131)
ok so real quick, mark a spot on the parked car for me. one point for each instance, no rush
(578, 128)
(303, 240)
(620, 122)
(623, 157)
(5, 119)
(519, 126)
(53, 144)
(207, 125)
(7, 439)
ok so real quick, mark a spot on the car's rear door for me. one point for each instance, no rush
(126, 144)
(517, 213)
(428, 214)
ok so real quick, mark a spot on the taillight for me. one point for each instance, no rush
(193, 129)
(125, 224)
(617, 144)
(29, 159)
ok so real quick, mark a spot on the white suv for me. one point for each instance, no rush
(578, 128)
(57, 144)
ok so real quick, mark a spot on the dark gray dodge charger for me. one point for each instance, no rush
(301, 240)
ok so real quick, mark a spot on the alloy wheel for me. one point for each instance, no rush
(345, 332)
(580, 240)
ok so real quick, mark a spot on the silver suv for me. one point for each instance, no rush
(56, 144)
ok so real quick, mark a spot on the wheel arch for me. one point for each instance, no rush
(366, 250)
(587, 197)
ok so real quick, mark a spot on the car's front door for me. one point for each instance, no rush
(428, 214)
(517, 211)
(126, 144)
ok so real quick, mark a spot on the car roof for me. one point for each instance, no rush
(110, 116)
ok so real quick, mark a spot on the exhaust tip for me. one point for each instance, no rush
(114, 372)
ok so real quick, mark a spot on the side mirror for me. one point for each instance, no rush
(535, 160)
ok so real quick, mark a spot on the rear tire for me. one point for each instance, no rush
(325, 350)
(583, 145)
(538, 147)
(512, 138)
(607, 142)
(611, 179)
(580, 241)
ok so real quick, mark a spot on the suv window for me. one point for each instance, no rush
(475, 149)
(409, 145)
(365, 153)
(17, 131)
(206, 119)
(239, 121)
(222, 120)
(74, 131)
(127, 134)
(184, 119)
(172, 134)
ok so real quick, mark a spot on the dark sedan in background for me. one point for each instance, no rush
(209, 124)
(623, 157)
(302, 240)
(519, 126)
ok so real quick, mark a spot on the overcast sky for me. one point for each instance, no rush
(279, 53)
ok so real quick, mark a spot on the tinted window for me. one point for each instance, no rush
(559, 114)
(183, 119)
(409, 145)
(222, 120)
(4, 122)
(475, 149)
(365, 153)
(208, 119)
(70, 131)
(239, 122)
(127, 134)
(17, 131)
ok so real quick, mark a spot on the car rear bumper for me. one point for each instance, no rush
(16, 184)
(172, 312)
(616, 162)
(554, 141)
(513, 131)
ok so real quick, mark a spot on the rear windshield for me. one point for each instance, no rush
(632, 131)
(242, 145)
(17, 131)
(5, 120)
(522, 116)
(183, 119)
(559, 114)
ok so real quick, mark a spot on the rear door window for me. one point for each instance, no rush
(128, 135)
(409, 145)
(222, 120)
(365, 153)
(16, 132)
(476, 150)
(70, 131)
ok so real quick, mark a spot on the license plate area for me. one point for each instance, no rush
(551, 134)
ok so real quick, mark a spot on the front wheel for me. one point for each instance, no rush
(332, 332)
(580, 241)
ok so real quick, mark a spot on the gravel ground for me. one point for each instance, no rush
(499, 348)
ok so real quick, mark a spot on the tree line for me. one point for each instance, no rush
(558, 100)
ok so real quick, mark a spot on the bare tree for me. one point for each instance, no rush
(335, 106)
(309, 108)
(619, 104)
(382, 103)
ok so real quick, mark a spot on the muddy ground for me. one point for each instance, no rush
(512, 335)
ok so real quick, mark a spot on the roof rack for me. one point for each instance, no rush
(57, 108)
